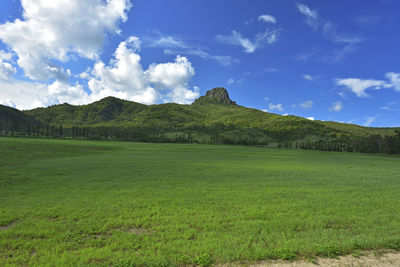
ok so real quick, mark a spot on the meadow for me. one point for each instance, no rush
(70, 202)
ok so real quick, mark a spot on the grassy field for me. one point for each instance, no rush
(128, 204)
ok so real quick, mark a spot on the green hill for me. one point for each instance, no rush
(213, 118)
(12, 119)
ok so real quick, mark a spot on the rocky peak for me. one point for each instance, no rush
(217, 96)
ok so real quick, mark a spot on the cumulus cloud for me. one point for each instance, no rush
(6, 69)
(176, 76)
(336, 106)
(125, 77)
(60, 92)
(27, 95)
(51, 31)
(311, 16)
(8, 103)
(275, 107)
(24, 95)
(267, 18)
(307, 104)
(310, 118)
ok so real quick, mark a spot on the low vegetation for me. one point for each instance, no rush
(70, 202)
(211, 119)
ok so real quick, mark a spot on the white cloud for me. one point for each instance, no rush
(28, 95)
(172, 74)
(125, 78)
(328, 31)
(359, 86)
(167, 42)
(277, 107)
(59, 92)
(6, 69)
(394, 79)
(266, 98)
(8, 103)
(311, 16)
(265, 110)
(267, 18)
(370, 120)
(222, 60)
(236, 39)
(308, 77)
(336, 106)
(176, 76)
(177, 46)
(310, 118)
(261, 39)
(392, 106)
(230, 81)
(270, 36)
(24, 95)
(307, 105)
(51, 30)
(349, 42)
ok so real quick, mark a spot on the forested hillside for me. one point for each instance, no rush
(213, 118)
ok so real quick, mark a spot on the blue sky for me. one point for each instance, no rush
(327, 60)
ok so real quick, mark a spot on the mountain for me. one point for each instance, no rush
(11, 118)
(106, 110)
(217, 96)
(213, 118)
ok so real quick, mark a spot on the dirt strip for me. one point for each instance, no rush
(366, 259)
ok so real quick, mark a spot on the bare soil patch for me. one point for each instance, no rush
(366, 259)
(137, 231)
(8, 226)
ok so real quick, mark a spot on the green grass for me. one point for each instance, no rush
(128, 204)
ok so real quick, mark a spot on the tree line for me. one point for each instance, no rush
(389, 144)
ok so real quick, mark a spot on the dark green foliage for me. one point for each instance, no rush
(211, 119)
(15, 121)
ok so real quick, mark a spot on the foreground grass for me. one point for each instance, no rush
(127, 204)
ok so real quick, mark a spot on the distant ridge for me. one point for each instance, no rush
(212, 118)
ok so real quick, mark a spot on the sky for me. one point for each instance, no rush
(323, 60)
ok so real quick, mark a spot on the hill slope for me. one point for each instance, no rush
(213, 118)
(11, 118)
